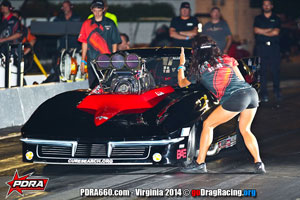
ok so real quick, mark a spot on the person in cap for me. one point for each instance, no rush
(10, 28)
(98, 35)
(184, 27)
(107, 14)
(218, 30)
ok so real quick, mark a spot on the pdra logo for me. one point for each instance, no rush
(19, 184)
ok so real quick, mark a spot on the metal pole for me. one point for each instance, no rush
(22, 65)
(11, 62)
(66, 36)
(7, 59)
(19, 60)
(135, 32)
(66, 41)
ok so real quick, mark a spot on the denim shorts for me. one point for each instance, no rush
(241, 100)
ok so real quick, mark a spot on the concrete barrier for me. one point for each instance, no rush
(18, 104)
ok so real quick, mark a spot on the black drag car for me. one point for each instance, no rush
(136, 115)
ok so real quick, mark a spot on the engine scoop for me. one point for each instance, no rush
(105, 106)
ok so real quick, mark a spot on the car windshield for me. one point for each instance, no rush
(162, 63)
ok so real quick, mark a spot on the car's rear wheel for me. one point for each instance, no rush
(191, 146)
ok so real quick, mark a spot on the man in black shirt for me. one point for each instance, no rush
(266, 29)
(183, 28)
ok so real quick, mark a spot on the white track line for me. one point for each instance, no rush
(11, 135)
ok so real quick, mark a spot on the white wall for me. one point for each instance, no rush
(145, 31)
(143, 36)
(18, 104)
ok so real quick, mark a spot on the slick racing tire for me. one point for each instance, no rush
(191, 146)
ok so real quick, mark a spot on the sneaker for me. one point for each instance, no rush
(194, 168)
(259, 168)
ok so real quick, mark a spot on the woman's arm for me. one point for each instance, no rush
(182, 81)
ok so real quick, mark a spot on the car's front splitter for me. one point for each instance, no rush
(150, 152)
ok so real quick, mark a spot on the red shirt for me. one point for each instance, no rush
(7, 18)
(100, 36)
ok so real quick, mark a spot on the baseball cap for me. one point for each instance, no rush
(97, 4)
(6, 3)
(185, 5)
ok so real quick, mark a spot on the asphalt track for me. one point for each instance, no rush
(277, 131)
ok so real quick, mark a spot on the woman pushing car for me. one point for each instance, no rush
(221, 76)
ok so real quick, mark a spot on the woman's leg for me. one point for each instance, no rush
(245, 122)
(217, 117)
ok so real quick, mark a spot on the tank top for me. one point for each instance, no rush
(221, 80)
